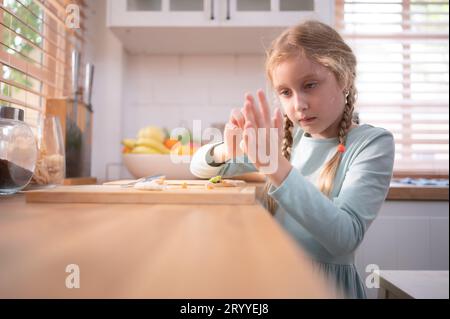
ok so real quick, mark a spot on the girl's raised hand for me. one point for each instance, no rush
(233, 135)
(262, 134)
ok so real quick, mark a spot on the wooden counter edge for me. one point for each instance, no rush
(404, 192)
(418, 193)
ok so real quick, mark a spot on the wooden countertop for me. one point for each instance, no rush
(417, 193)
(396, 192)
(149, 251)
(403, 192)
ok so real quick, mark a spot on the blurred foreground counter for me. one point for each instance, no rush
(149, 251)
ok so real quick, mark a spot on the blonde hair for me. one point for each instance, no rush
(323, 45)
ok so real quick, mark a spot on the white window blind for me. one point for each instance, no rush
(403, 75)
(35, 53)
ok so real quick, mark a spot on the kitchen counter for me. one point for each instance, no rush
(149, 251)
(417, 193)
(397, 191)
(416, 284)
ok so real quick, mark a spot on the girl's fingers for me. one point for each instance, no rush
(248, 125)
(258, 119)
(264, 108)
(277, 120)
(244, 144)
(231, 126)
(248, 112)
(233, 136)
(249, 138)
(237, 118)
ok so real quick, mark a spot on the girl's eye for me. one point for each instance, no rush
(310, 85)
(285, 93)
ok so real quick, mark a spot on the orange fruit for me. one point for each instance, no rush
(126, 150)
(169, 143)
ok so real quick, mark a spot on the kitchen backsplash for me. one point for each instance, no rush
(172, 91)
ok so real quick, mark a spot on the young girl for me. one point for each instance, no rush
(332, 175)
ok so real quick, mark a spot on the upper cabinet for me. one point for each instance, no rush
(274, 13)
(169, 13)
(213, 13)
(208, 26)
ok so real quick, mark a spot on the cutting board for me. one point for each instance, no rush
(196, 193)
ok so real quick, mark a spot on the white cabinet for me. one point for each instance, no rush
(213, 13)
(274, 13)
(208, 26)
(169, 13)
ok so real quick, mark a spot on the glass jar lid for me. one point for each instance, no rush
(11, 113)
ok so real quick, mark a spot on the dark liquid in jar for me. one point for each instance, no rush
(12, 175)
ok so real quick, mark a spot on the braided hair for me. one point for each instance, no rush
(326, 177)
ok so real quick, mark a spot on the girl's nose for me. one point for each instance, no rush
(300, 103)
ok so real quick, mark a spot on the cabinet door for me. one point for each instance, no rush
(170, 13)
(246, 12)
(278, 13)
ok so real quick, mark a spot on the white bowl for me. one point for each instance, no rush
(140, 165)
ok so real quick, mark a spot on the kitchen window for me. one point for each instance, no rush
(35, 53)
(403, 75)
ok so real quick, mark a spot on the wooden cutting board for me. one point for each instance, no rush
(196, 193)
(192, 182)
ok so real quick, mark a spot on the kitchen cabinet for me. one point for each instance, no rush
(157, 13)
(208, 26)
(213, 13)
(277, 13)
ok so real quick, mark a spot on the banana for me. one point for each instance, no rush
(158, 146)
(144, 150)
(152, 132)
(128, 142)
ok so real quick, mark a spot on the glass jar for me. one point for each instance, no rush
(50, 167)
(18, 151)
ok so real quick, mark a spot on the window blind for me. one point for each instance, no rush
(403, 75)
(35, 53)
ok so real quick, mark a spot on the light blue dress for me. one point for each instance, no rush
(329, 229)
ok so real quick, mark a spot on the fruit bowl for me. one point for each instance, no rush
(172, 166)
(153, 152)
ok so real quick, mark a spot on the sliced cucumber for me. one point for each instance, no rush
(216, 179)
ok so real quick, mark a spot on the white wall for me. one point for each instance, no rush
(105, 51)
(167, 90)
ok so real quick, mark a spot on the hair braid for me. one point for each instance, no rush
(288, 139)
(326, 178)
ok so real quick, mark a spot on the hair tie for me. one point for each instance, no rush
(341, 148)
